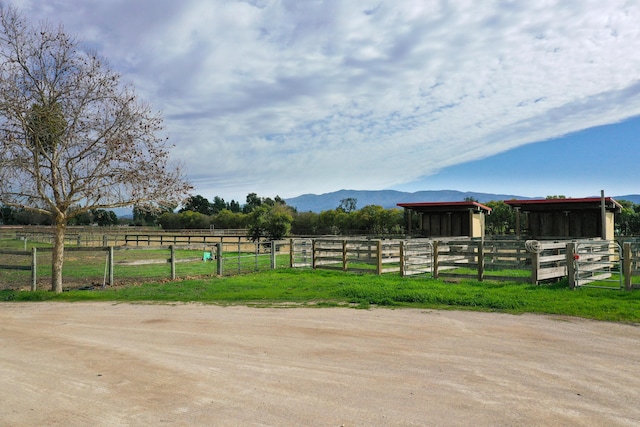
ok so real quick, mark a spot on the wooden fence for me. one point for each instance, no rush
(123, 236)
(514, 260)
(105, 266)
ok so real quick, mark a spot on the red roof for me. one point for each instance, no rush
(445, 205)
(594, 201)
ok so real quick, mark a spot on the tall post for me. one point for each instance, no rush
(34, 265)
(603, 215)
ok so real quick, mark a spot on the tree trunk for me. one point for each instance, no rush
(58, 254)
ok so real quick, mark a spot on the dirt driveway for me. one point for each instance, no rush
(99, 364)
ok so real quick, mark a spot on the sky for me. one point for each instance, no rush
(290, 97)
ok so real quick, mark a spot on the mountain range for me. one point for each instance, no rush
(390, 198)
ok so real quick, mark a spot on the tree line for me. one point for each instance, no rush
(273, 218)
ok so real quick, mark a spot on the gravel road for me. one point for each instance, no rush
(101, 364)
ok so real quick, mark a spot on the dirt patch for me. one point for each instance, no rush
(102, 364)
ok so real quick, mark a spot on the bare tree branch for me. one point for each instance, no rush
(73, 138)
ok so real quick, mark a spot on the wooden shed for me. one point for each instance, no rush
(448, 219)
(567, 218)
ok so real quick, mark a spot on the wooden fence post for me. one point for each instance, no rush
(291, 253)
(34, 265)
(626, 265)
(273, 254)
(402, 242)
(219, 257)
(571, 267)
(345, 260)
(313, 254)
(379, 265)
(481, 260)
(173, 262)
(111, 278)
(434, 267)
(535, 267)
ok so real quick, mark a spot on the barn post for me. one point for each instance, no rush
(603, 215)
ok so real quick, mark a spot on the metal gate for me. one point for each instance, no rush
(417, 257)
(301, 253)
(598, 261)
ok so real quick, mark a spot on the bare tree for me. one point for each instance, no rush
(73, 138)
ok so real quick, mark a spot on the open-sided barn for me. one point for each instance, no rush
(448, 219)
(567, 218)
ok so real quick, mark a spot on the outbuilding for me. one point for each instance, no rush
(448, 219)
(566, 218)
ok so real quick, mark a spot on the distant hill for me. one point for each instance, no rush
(633, 198)
(387, 198)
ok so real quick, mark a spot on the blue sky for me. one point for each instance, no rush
(288, 97)
(578, 165)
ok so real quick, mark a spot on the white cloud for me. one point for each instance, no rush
(288, 97)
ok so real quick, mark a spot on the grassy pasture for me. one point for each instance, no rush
(333, 288)
(132, 265)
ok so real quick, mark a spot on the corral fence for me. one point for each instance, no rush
(157, 257)
(530, 261)
(87, 237)
(92, 267)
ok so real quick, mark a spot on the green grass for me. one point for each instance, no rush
(333, 288)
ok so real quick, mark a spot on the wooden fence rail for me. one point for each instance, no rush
(532, 261)
(130, 263)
